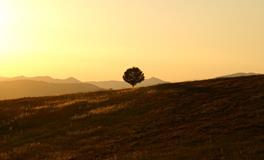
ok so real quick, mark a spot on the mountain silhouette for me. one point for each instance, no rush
(121, 84)
(46, 79)
(29, 88)
(22, 86)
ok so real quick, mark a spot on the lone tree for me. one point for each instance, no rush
(133, 76)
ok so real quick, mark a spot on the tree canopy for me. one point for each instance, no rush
(133, 76)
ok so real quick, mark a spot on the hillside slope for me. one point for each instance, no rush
(239, 75)
(212, 119)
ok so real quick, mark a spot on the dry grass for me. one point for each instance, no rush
(208, 120)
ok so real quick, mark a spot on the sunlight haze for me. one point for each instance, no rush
(174, 40)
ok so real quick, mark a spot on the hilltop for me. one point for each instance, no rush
(240, 75)
(211, 119)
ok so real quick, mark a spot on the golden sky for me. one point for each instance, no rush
(174, 40)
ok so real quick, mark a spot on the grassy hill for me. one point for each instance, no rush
(211, 119)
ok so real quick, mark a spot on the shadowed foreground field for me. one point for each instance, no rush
(212, 119)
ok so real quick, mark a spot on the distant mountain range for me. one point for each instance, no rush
(46, 79)
(22, 86)
(29, 88)
(121, 84)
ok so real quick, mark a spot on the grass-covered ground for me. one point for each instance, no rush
(212, 119)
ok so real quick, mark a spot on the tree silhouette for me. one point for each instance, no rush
(133, 76)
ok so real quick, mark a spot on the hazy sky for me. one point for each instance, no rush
(174, 40)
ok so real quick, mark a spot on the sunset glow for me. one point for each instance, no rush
(174, 40)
